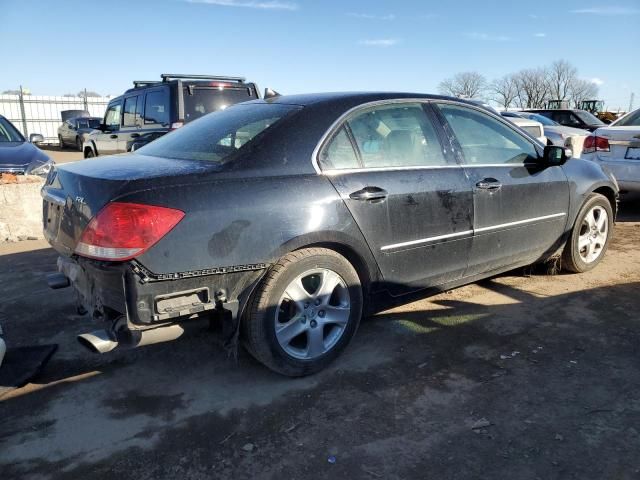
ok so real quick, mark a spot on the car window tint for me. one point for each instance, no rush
(156, 108)
(397, 135)
(129, 114)
(339, 153)
(112, 117)
(485, 140)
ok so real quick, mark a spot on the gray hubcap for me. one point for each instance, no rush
(312, 313)
(593, 234)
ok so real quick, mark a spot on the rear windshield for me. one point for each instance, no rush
(540, 118)
(198, 101)
(631, 120)
(588, 118)
(218, 136)
(8, 133)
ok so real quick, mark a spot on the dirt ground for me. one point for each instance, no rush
(65, 155)
(518, 377)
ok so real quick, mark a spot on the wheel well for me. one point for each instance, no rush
(89, 148)
(611, 196)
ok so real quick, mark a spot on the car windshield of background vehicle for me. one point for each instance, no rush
(220, 135)
(588, 118)
(631, 120)
(199, 101)
(8, 132)
(486, 141)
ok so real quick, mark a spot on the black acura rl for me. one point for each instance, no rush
(286, 218)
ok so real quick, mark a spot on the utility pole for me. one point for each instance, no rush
(631, 101)
(23, 114)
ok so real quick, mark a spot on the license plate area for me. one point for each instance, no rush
(633, 153)
(51, 218)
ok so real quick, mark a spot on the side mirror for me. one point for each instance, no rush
(36, 138)
(554, 155)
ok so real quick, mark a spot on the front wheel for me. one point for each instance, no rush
(89, 153)
(304, 313)
(79, 144)
(60, 142)
(590, 236)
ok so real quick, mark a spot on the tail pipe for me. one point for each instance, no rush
(103, 341)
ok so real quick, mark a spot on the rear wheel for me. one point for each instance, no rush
(590, 236)
(304, 313)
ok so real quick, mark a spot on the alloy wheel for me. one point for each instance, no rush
(593, 234)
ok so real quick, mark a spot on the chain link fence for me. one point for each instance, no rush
(41, 113)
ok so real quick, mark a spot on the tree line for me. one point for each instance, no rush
(528, 88)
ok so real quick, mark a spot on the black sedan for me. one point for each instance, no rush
(74, 131)
(286, 218)
(18, 156)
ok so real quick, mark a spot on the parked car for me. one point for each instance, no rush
(532, 127)
(617, 146)
(571, 118)
(287, 219)
(18, 156)
(75, 130)
(555, 133)
(151, 109)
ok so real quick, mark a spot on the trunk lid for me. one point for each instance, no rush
(74, 193)
(624, 142)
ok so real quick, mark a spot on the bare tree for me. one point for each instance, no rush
(504, 90)
(89, 93)
(582, 90)
(464, 85)
(562, 75)
(12, 92)
(533, 88)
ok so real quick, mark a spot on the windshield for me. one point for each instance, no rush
(218, 136)
(540, 118)
(631, 120)
(89, 123)
(199, 101)
(588, 118)
(9, 133)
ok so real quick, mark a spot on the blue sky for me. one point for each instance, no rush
(298, 46)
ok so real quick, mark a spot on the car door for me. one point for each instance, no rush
(131, 121)
(520, 208)
(107, 139)
(410, 199)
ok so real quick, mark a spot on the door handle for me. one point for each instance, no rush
(135, 135)
(490, 184)
(113, 136)
(368, 194)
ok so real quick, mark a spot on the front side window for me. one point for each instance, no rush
(112, 117)
(485, 140)
(130, 115)
(396, 135)
(220, 136)
(156, 108)
(339, 153)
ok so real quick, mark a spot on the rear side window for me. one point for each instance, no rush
(485, 140)
(339, 153)
(130, 115)
(220, 136)
(200, 100)
(156, 108)
(396, 135)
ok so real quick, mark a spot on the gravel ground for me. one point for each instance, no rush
(521, 376)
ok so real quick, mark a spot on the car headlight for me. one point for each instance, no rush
(39, 168)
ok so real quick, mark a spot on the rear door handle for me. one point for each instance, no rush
(489, 184)
(113, 136)
(368, 194)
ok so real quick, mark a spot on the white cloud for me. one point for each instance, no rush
(263, 5)
(380, 42)
(488, 37)
(370, 16)
(598, 81)
(540, 35)
(534, 16)
(608, 10)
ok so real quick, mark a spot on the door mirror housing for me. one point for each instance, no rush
(555, 156)
(36, 138)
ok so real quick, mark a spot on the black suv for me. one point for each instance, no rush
(572, 118)
(151, 109)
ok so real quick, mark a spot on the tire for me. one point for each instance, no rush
(89, 153)
(79, 144)
(60, 142)
(590, 235)
(295, 332)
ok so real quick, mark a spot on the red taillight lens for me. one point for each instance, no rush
(122, 231)
(594, 143)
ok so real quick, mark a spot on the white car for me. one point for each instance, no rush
(617, 146)
(533, 128)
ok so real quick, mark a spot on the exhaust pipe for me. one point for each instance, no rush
(102, 341)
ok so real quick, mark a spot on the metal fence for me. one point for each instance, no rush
(41, 114)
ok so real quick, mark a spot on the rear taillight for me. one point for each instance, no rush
(122, 231)
(594, 143)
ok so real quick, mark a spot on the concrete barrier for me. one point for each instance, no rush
(21, 210)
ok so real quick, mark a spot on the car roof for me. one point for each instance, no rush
(83, 118)
(355, 98)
